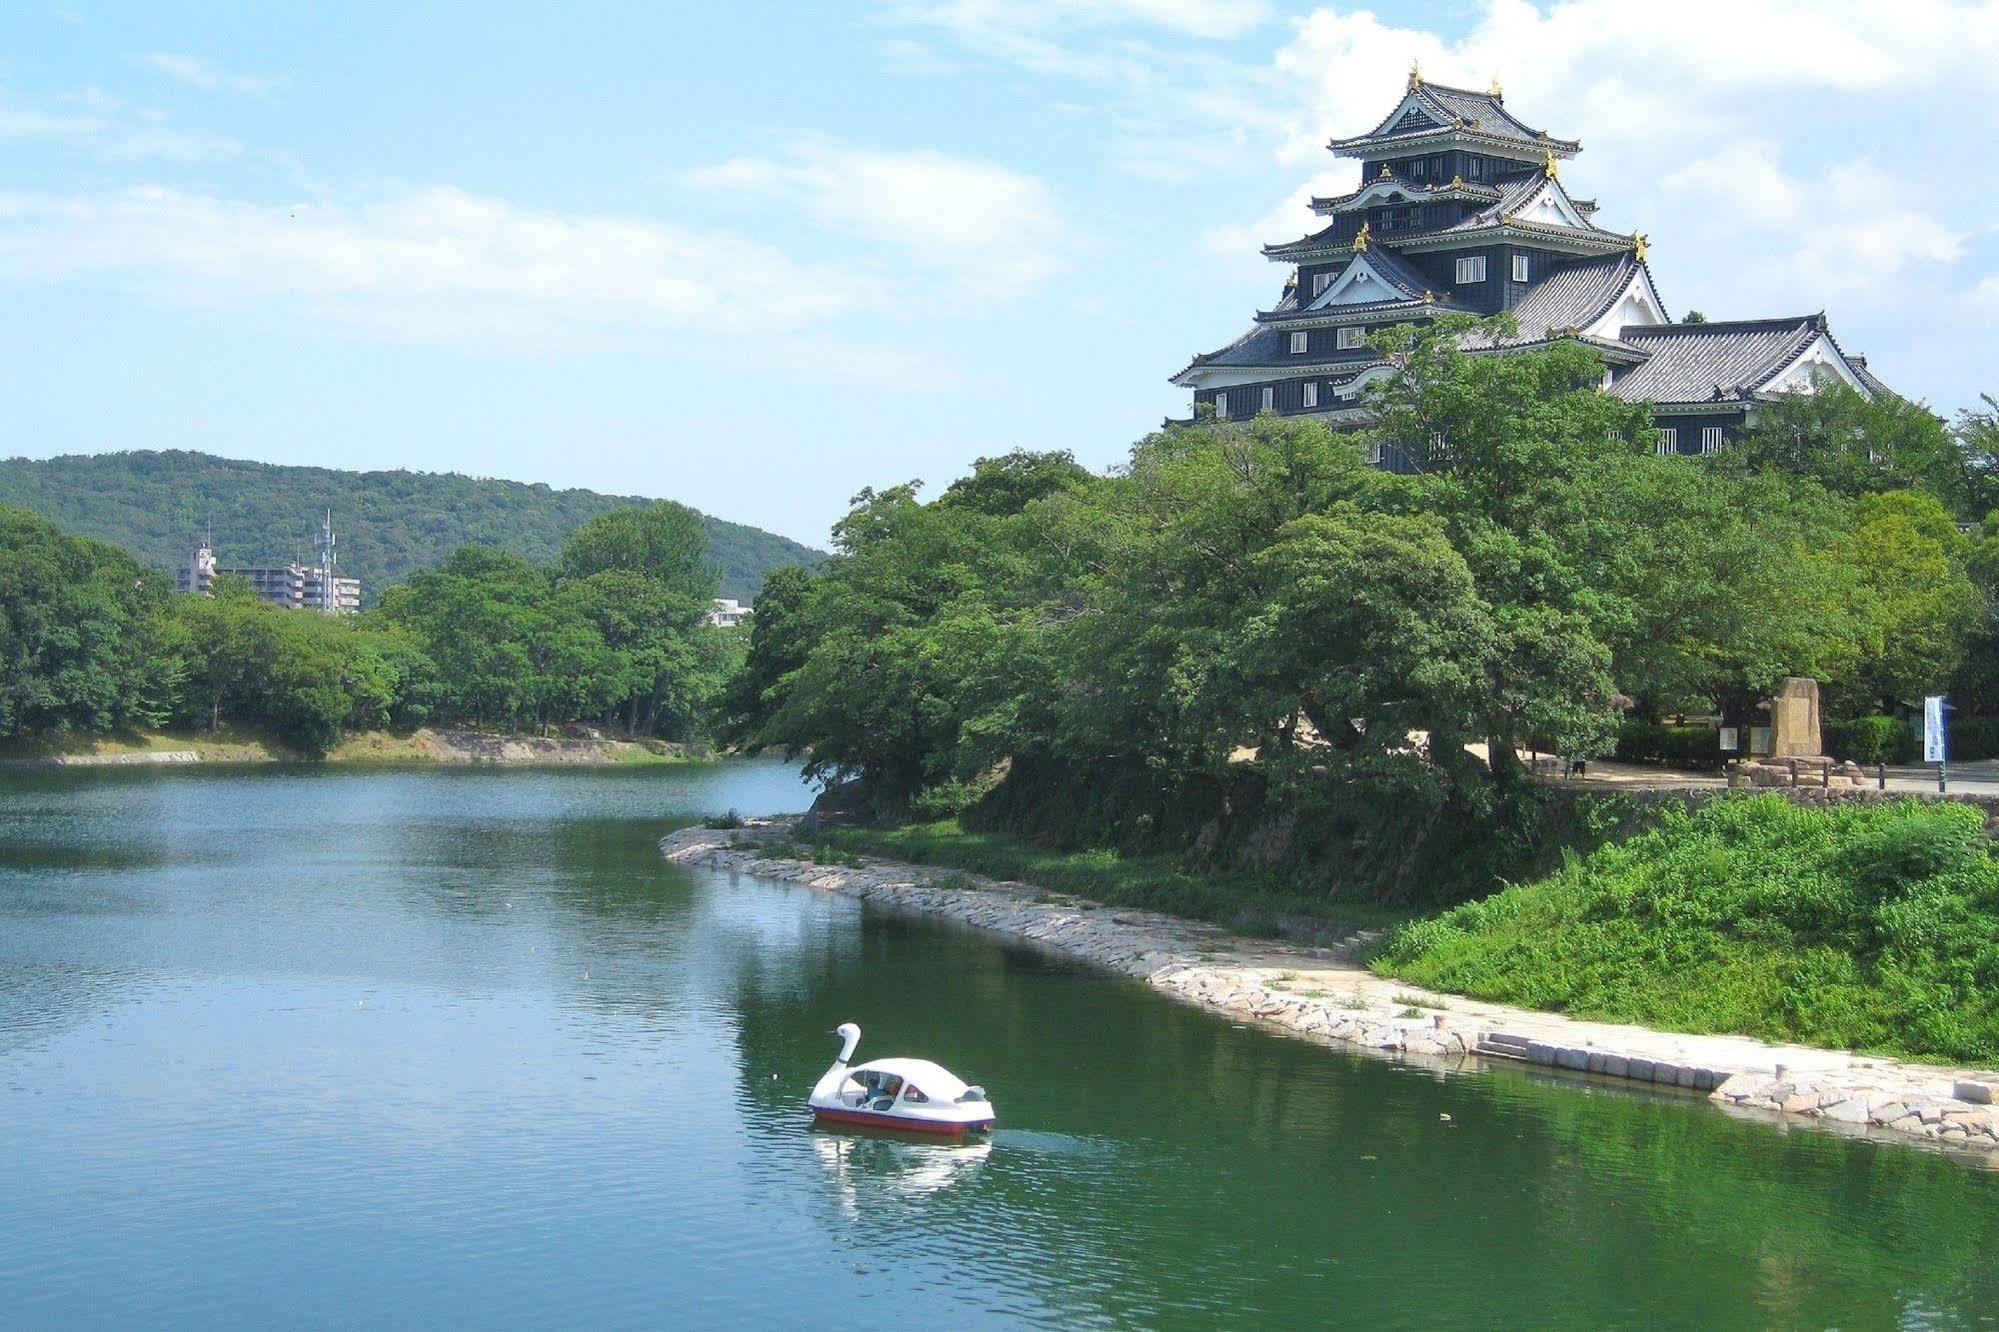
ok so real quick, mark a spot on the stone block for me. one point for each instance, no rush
(1639, 1070)
(1616, 1066)
(1852, 1111)
(1540, 1052)
(1978, 1093)
(1794, 719)
(1569, 1057)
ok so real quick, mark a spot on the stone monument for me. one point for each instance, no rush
(1794, 720)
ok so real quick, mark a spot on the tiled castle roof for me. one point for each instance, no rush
(1575, 295)
(1268, 346)
(1427, 189)
(1719, 362)
(1516, 196)
(1482, 113)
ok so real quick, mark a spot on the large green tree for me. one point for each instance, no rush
(82, 645)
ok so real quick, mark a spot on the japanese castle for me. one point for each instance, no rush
(1461, 208)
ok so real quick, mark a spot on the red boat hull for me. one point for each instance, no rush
(876, 1120)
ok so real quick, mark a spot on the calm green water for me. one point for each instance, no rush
(365, 1049)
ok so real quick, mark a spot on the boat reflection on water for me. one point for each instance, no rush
(873, 1164)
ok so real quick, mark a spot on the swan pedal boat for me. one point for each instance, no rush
(914, 1095)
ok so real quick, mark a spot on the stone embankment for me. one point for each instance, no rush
(579, 747)
(138, 759)
(1324, 993)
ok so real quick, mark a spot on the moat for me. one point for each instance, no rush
(356, 1048)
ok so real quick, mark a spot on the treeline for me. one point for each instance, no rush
(1249, 642)
(614, 632)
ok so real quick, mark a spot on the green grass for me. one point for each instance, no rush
(230, 744)
(243, 744)
(642, 754)
(1864, 926)
(1245, 903)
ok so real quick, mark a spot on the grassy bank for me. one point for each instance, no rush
(1862, 926)
(237, 744)
(1248, 904)
(229, 744)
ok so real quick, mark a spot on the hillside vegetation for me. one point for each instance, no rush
(390, 524)
(1871, 927)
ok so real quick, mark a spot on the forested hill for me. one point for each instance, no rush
(389, 524)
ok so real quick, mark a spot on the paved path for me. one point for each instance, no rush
(1980, 777)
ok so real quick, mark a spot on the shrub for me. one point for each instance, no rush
(1974, 737)
(1677, 746)
(1864, 926)
(1872, 740)
(722, 821)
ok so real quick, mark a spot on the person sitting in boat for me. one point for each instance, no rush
(886, 1093)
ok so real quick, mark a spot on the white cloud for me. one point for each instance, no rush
(203, 74)
(976, 219)
(429, 263)
(986, 18)
(102, 125)
(1851, 228)
(1745, 178)
(1288, 220)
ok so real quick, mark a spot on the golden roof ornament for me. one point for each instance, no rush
(1457, 182)
(1415, 75)
(1386, 174)
(1550, 165)
(1429, 298)
(1497, 91)
(1360, 239)
(1640, 243)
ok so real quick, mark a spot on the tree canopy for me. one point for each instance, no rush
(1254, 603)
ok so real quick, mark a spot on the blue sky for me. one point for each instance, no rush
(757, 256)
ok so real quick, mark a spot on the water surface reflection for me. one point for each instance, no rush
(459, 1048)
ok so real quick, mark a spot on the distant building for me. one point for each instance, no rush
(728, 612)
(293, 586)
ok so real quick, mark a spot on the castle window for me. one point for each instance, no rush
(1710, 439)
(1418, 168)
(1269, 398)
(1471, 269)
(1311, 394)
(1477, 168)
(1320, 281)
(1669, 442)
(1299, 341)
(1347, 339)
(1519, 268)
(1222, 405)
